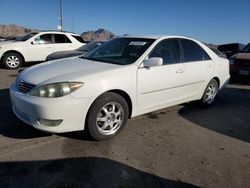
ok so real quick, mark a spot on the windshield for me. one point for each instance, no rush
(90, 46)
(121, 51)
(26, 37)
(246, 49)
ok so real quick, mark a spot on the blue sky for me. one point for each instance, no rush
(211, 21)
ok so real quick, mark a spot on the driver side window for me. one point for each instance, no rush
(44, 39)
(168, 50)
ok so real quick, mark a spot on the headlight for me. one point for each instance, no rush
(56, 89)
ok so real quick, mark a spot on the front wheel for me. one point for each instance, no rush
(107, 116)
(12, 61)
(210, 93)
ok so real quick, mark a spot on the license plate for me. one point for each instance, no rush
(244, 72)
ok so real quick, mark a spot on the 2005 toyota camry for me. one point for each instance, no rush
(126, 77)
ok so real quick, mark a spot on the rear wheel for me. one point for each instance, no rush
(107, 116)
(12, 61)
(210, 93)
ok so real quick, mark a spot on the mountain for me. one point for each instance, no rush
(13, 30)
(98, 35)
(7, 31)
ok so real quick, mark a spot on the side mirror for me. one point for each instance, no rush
(34, 42)
(152, 62)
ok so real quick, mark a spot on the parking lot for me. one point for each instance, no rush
(182, 146)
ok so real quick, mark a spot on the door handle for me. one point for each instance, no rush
(180, 71)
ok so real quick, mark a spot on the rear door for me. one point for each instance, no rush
(198, 67)
(61, 43)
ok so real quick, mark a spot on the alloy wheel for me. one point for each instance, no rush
(110, 118)
(12, 61)
(211, 93)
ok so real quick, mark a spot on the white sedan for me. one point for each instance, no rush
(36, 46)
(126, 77)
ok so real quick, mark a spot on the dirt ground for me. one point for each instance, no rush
(182, 146)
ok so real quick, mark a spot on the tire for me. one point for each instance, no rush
(210, 93)
(12, 61)
(107, 116)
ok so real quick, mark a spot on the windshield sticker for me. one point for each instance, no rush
(137, 43)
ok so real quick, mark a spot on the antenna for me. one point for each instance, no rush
(60, 27)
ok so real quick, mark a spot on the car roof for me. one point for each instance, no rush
(154, 36)
(58, 32)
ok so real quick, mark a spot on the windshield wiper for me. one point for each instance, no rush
(88, 58)
(101, 60)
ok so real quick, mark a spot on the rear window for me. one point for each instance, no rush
(78, 38)
(235, 47)
(247, 49)
(60, 38)
(193, 52)
(216, 51)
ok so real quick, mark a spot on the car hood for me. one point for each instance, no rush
(62, 54)
(68, 52)
(70, 69)
(242, 56)
(9, 42)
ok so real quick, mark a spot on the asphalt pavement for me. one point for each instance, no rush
(181, 146)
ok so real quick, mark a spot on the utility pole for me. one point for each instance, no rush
(60, 27)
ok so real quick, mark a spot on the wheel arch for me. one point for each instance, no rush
(127, 98)
(120, 92)
(14, 51)
(217, 80)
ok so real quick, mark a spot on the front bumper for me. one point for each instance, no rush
(68, 108)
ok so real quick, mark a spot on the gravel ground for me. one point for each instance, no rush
(182, 146)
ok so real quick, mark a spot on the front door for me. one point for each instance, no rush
(161, 86)
(39, 48)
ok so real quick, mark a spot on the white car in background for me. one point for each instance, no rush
(36, 46)
(125, 77)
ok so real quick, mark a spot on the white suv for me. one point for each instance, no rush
(36, 46)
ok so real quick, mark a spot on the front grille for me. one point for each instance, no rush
(24, 86)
